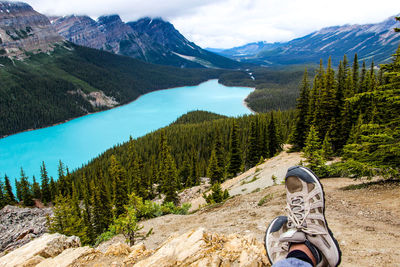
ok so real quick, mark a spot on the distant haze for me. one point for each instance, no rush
(229, 23)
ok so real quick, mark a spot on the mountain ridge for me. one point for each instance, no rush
(374, 41)
(150, 39)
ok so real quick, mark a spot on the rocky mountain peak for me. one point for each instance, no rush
(109, 19)
(23, 29)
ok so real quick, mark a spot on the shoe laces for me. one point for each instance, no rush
(297, 215)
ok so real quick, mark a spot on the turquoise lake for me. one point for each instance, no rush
(79, 140)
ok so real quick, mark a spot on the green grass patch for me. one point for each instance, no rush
(255, 178)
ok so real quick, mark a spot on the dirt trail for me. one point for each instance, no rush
(366, 221)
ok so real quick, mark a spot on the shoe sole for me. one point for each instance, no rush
(319, 184)
(267, 233)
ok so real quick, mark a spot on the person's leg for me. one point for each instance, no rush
(302, 252)
(306, 212)
(304, 232)
(282, 253)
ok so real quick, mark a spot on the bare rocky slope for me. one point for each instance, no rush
(365, 221)
(23, 29)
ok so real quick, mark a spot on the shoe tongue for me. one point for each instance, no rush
(293, 236)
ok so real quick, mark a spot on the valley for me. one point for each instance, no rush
(118, 127)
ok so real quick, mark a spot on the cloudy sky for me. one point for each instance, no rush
(229, 23)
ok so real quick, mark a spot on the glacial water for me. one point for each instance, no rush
(79, 140)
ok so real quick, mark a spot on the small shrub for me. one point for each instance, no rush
(261, 161)
(274, 179)
(255, 178)
(265, 199)
(217, 195)
(256, 190)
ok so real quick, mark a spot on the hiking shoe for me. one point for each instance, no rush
(276, 249)
(306, 212)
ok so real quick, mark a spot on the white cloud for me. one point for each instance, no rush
(228, 23)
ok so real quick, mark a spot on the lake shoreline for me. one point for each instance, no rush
(90, 113)
(77, 142)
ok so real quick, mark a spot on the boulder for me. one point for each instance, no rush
(118, 249)
(46, 246)
(138, 253)
(67, 257)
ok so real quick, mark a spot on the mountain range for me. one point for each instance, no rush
(151, 40)
(370, 41)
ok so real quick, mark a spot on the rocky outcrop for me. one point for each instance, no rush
(194, 248)
(199, 248)
(20, 225)
(36, 251)
(23, 29)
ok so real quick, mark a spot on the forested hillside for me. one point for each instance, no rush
(276, 87)
(49, 88)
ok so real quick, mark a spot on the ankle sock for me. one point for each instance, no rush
(314, 251)
(298, 254)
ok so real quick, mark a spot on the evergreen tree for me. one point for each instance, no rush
(313, 101)
(217, 195)
(219, 153)
(167, 171)
(18, 190)
(37, 194)
(135, 183)
(100, 210)
(326, 150)
(254, 149)
(87, 216)
(2, 195)
(363, 79)
(356, 73)
(235, 160)
(194, 173)
(62, 185)
(265, 143)
(170, 177)
(9, 195)
(53, 188)
(184, 173)
(312, 149)
(118, 175)
(325, 110)
(45, 188)
(337, 120)
(302, 108)
(26, 192)
(67, 218)
(213, 171)
(275, 144)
